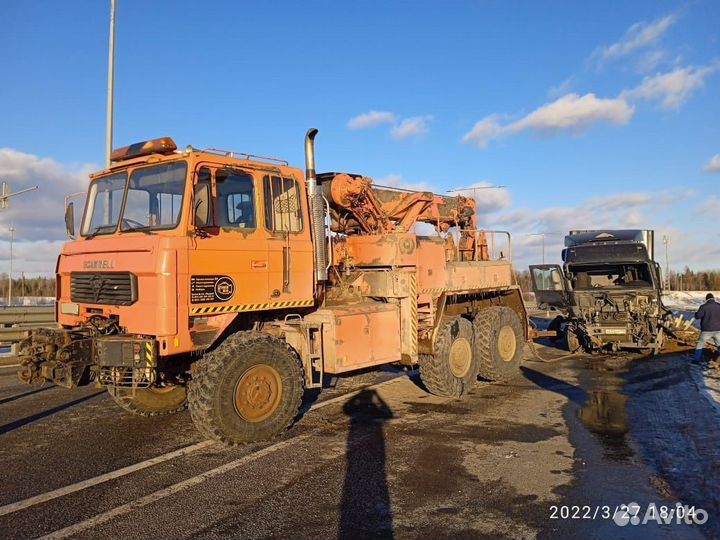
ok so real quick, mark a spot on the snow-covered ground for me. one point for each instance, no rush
(707, 376)
(686, 300)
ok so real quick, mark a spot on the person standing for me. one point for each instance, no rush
(709, 317)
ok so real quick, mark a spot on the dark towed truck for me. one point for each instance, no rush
(608, 293)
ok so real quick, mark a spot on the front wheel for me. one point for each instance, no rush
(248, 389)
(152, 401)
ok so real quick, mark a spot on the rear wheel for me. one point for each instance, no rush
(152, 401)
(248, 389)
(452, 370)
(499, 343)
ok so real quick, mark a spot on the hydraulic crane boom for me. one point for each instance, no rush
(358, 207)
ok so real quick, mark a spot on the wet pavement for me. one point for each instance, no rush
(555, 452)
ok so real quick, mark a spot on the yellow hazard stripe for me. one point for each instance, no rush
(249, 307)
(435, 290)
(149, 353)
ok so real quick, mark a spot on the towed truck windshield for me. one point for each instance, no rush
(610, 275)
(153, 198)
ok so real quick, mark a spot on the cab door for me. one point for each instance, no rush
(290, 256)
(228, 259)
(550, 286)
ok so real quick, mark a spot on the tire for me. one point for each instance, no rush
(452, 370)
(248, 389)
(498, 351)
(573, 341)
(153, 401)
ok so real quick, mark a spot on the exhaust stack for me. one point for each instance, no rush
(317, 208)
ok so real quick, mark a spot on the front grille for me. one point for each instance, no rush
(107, 288)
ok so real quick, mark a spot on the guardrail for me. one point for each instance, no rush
(15, 320)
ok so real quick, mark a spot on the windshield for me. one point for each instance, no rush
(610, 276)
(154, 197)
(103, 204)
(153, 201)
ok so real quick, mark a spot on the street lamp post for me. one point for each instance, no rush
(12, 238)
(666, 241)
(111, 87)
(473, 189)
(542, 234)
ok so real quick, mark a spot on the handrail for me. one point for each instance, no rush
(490, 235)
(249, 157)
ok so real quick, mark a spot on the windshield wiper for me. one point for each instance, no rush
(144, 228)
(97, 230)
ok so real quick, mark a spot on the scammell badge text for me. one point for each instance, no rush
(92, 265)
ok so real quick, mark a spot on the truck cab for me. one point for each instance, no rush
(167, 239)
(608, 292)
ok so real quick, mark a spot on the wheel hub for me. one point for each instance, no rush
(460, 357)
(258, 393)
(506, 343)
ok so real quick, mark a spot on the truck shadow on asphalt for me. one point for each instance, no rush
(25, 394)
(365, 510)
(43, 414)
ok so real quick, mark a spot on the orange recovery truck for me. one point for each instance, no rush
(230, 283)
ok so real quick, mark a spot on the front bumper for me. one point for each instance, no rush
(71, 358)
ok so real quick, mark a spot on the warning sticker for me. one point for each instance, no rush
(207, 289)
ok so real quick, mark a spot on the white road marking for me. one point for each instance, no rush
(94, 521)
(126, 508)
(10, 366)
(72, 488)
(79, 486)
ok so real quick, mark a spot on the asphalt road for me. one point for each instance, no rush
(554, 452)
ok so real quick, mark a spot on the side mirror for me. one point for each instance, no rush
(201, 203)
(70, 220)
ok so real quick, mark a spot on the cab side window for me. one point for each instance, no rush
(203, 196)
(282, 204)
(235, 198)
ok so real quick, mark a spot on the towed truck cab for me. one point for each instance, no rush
(608, 291)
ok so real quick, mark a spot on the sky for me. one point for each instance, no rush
(592, 115)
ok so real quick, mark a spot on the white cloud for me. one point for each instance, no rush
(623, 200)
(38, 215)
(673, 88)
(562, 88)
(371, 119)
(30, 258)
(638, 36)
(415, 126)
(487, 201)
(397, 180)
(710, 206)
(575, 112)
(570, 112)
(649, 61)
(617, 211)
(714, 164)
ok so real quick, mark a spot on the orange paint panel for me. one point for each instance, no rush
(358, 336)
(393, 249)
